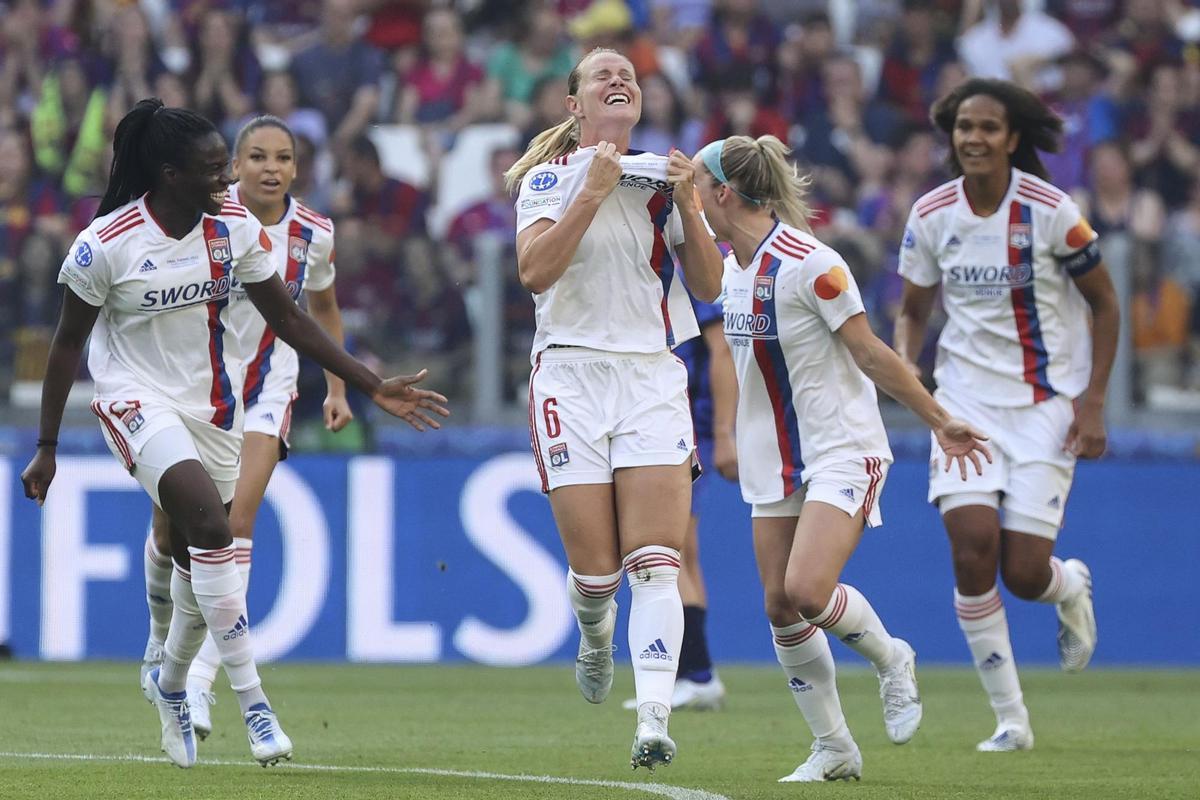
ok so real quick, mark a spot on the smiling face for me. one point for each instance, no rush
(608, 92)
(201, 183)
(265, 165)
(982, 140)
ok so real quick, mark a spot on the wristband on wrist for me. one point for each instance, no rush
(47, 442)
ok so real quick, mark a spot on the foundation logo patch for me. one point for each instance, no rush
(1081, 235)
(831, 284)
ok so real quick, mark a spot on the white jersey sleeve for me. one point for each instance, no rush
(252, 261)
(827, 289)
(1072, 240)
(321, 269)
(918, 264)
(548, 189)
(86, 270)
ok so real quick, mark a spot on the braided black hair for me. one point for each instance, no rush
(149, 136)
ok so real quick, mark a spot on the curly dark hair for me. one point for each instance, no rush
(1039, 127)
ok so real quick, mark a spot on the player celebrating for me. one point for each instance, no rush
(608, 411)
(302, 248)
(1019, 269)
(812, 451)
(157, 266)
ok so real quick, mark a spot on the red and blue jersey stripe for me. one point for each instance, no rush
(1034, 356)
(768, 353)
(659, 207)
(260, 365)
(221, 392)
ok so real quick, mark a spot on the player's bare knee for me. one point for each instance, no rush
(1024, 582)
(208, 531)
(779, 608)
(806, 598)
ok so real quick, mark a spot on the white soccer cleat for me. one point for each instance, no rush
(268, 742)
(151, 658)
(178, 739)
(827, 763)
(901, 698)
(1008, 738)
(707, 696)
(594, 667)
(201, 701)
(651, 744)
(1077, 623)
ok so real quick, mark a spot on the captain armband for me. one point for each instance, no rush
(1082, 262)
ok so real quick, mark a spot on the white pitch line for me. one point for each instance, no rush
(673, 792)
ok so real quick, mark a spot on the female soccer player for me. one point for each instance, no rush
(812, 451)
(1019, 269)
(608, 412)
(264, 164)
(157, 266)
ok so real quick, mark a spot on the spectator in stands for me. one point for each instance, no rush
(225, 74)
(434, 328)
(737, 109)
(546, 107)
(339, 75)
(1009, 42)
(540, 51)
(313, 183)
(1165, 131)
(394, 24)
(20, 58)
(278, 97)
(664, 124)
(1089, 117)
(445, 91)
(610, 23)
(135, 63)
(1145, 32)
(68, 129)
(1181, 261)
(1090, 21)
(913, 62)
(739, 37)
(1108, 204)
(1160, 308)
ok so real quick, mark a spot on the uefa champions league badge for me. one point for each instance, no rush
(910, 241)
(558, 455)
(83, 255)
(543, 181)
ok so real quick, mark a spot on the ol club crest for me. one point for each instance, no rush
(764, 287)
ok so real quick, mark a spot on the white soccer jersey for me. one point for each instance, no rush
(164, 305)
(303, 256)
(1018, 328)
(620, 292)
(803, 403)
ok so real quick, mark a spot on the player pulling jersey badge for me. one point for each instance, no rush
(219, 250)
(764, 287)
(558, 455)
(1019, 236)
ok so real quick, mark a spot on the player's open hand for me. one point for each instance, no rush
(960, 442)
(1086, 438)
(605, 170)
(681, 174)
(37, 476)
(398, 397)
(336, 412)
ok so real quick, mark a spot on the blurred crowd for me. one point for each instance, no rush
(848, 83)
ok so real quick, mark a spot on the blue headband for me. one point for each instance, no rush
(710, 154)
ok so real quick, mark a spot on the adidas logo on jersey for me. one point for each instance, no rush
(147, 267)
(847, 493)
(269, 417)
(798, 686)
(657, 651)
(953, 242)
(682, 445)
(994, 661)
(239, 629)
(1055, 502)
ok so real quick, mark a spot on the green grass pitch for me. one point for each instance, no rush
(407, 732)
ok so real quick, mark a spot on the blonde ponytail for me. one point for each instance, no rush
(759, 168)
(550, 143)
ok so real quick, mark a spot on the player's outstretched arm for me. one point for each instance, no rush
(75, 323)
(881, 364)
(916, 304)
(397, 395)
(323, 306)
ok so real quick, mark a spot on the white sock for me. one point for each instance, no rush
(655, 621)
(1064, 583)
(850, 618)
(204, 668)
(985, 625)
(803, 652)
(187, 632)
(221, 597)
(157, 568)
(591, 597)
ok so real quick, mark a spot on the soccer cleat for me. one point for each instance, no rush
(200, 701)
(151, 658)
(901, 699)
(651, 744)
(178, 738)
(827, 763)
(594, 667)
(1008, 738)
(1077, 623)
(707, 696)
(268, 742)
